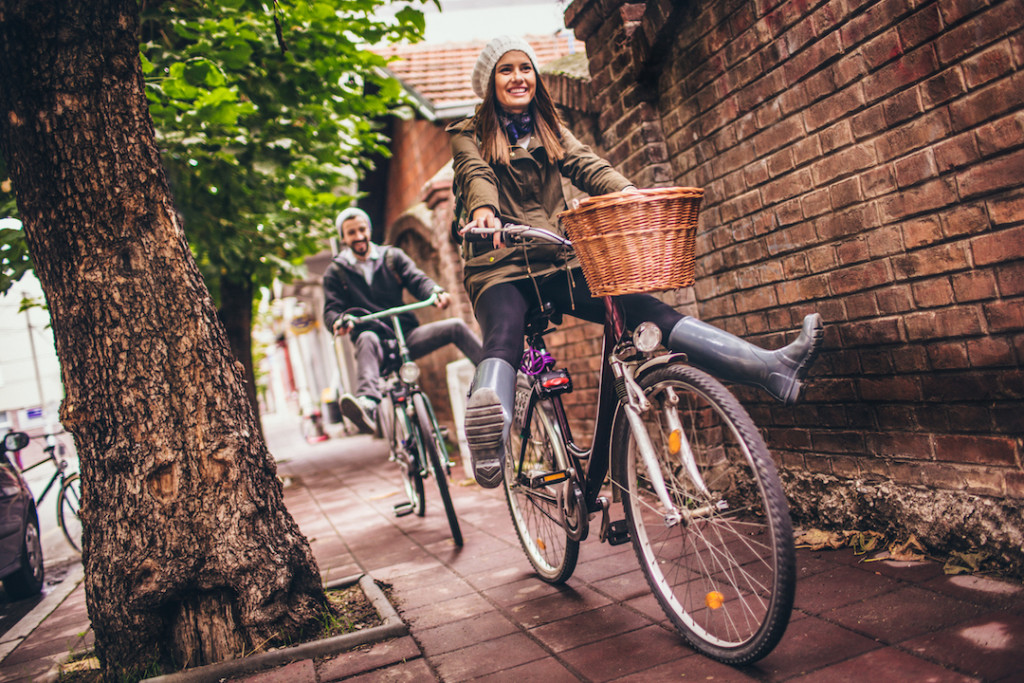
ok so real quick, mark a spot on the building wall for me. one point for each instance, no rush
(861, 159)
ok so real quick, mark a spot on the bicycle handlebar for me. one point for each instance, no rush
(397, 310)
(512, 234)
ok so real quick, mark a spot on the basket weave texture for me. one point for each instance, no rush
(636, 242)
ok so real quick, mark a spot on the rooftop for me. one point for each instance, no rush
(438, 74)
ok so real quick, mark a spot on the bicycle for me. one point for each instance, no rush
(69, 498)
(702, 501)
(407, 418)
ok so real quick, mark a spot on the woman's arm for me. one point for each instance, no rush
(587, 170)
(474, 178)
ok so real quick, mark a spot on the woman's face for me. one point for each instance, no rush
(515, 81)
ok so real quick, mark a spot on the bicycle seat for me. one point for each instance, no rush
(538, 317)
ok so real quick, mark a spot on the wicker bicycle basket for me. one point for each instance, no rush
(636, 242)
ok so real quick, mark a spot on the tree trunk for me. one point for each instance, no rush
(190, 556)
(235, 314)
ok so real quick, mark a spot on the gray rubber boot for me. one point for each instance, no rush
(488, 417)
(730, 358)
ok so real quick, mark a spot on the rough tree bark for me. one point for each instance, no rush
(190, 556)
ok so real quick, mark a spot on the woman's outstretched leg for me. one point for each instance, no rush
(726, 356)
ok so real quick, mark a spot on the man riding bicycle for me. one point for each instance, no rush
(373, 277)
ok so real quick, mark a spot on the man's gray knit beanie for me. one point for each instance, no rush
(490, 55)
(351, 213)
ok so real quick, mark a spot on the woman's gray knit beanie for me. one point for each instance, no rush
(490, 55)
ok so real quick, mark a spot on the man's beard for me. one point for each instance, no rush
(361, 247)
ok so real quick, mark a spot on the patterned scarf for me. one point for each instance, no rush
(515, 125)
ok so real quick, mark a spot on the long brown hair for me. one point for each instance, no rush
(547, 124)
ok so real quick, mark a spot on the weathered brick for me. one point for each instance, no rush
(915, 168)
(868, 123)
(857, 219)
(943, 323)
(919, 199)
(836, 136)
(1003, 134)
(974, 285)
(921, 26)
(878, 181)
(858, 277)
(991, 351)
(933, 292)
(872, 332)
(884, 241)
(942, 88)
(956, 152)
(831, 109)
(916, 135)
(997, 247)
(964, 219)
(997, 98)
(948, 356)
(1005, 315)
(908, 69)
(842, 163)
(846, 192)
(1010, 278)
(987, 66)
(1000, 19)
(995, 174)
(901, 445)
(922, 231)
(979, 450)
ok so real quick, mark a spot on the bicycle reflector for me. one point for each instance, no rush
(646, 337)
(409, 372)
(714, 600)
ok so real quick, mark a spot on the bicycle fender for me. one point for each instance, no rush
(663, 359)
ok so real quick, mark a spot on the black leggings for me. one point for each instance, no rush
(501, 311)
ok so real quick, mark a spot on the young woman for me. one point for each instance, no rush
(509, 160)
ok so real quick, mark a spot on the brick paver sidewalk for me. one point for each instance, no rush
(477, 613)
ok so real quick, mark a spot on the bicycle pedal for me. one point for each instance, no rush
(618, 532)
(539, 480)
(403, 509)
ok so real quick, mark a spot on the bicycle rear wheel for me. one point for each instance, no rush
(438, 454)
(725, 574)
(403, 452)
(537, 512)
(69, 504)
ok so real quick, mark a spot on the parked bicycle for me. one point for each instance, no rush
(69, 488)
(702, 501)
(407, 418)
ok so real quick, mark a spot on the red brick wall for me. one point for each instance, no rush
(862, 159)
(420, 149)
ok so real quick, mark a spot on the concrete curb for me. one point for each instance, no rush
(31, 621)
(392, 627)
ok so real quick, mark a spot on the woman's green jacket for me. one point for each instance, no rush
(528, 191)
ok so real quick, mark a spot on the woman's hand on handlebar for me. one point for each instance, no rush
(484, 217)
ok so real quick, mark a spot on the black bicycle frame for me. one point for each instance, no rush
(597, 456)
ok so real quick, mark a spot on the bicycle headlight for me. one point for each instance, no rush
(409, 372)
(646, 337)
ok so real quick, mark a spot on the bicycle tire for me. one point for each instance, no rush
(403, 449)
(537, 514)
(69, 505)
(726, 576)
(438, 454)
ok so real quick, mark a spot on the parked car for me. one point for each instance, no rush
(21, 550)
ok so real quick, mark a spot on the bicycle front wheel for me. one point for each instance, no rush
(69, 504)
(725, 574)
(438, 455)
(537, 511)
(404, 453)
